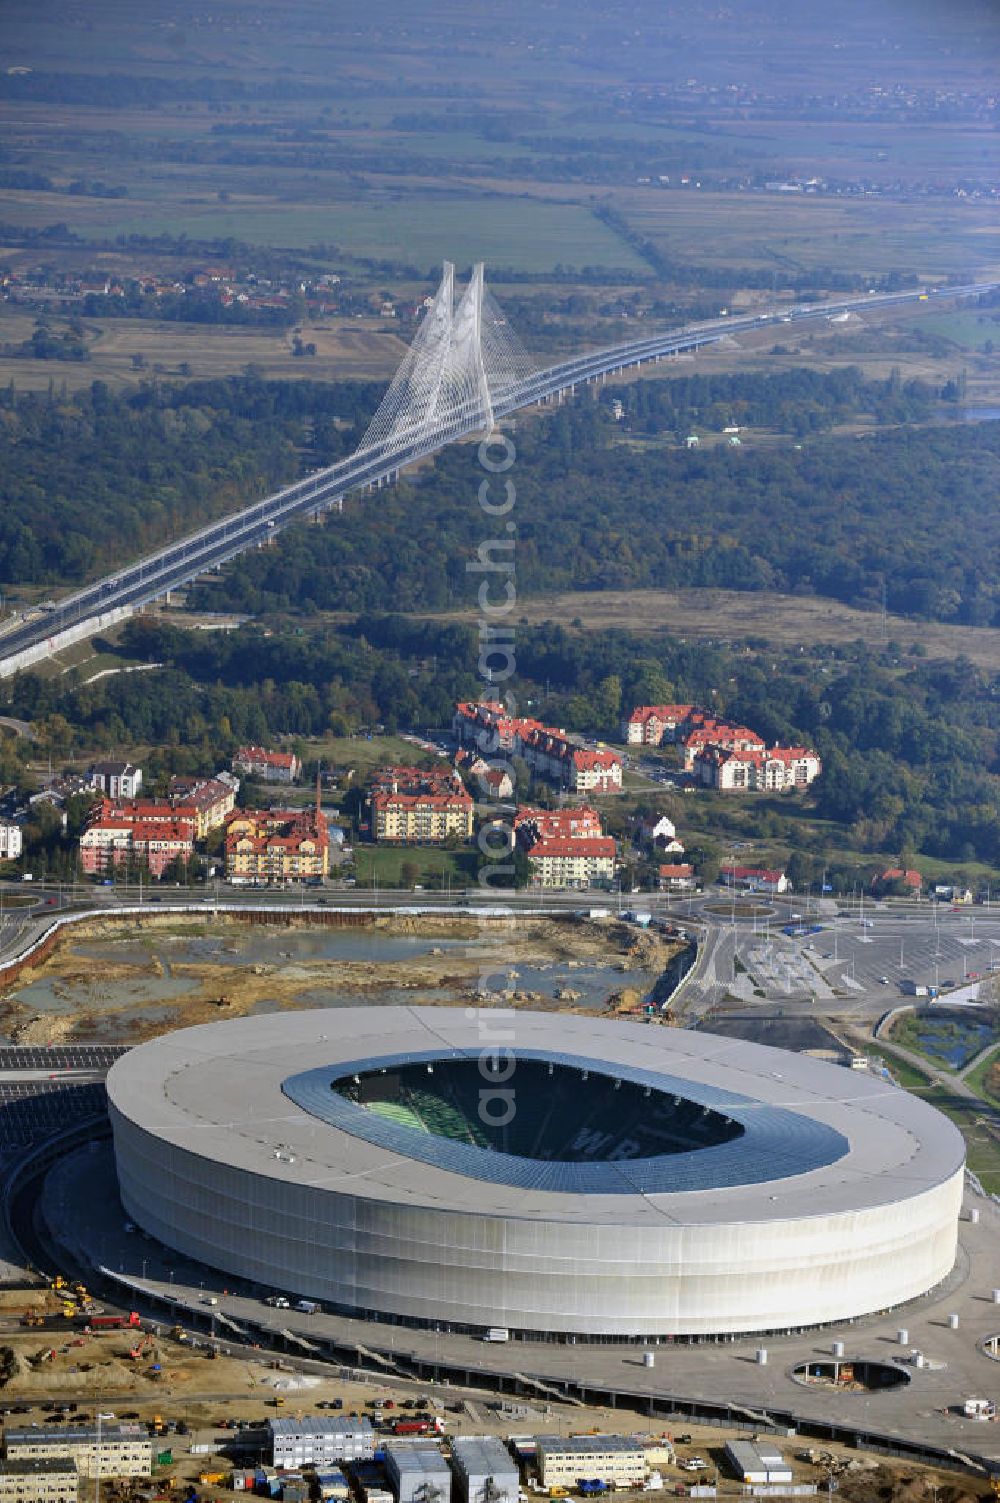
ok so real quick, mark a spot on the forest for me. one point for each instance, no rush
(91, 479)
(842, 516)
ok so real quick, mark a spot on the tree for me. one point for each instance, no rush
(607, 704)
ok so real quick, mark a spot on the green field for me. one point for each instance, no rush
(521, 233)
(362, 753)
(978, 1077)
(383, 865)
(966, 328)
(803, 231)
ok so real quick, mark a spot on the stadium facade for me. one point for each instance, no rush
(544, 1173)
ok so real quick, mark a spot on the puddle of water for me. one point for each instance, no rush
(120, 1003)
(58, 998)
(266, 946)
(593, 982)
(956, 1041)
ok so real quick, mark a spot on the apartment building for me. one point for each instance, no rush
(779, 769)
(151, 834)
(266, 846)
(267, 766)
(11, 840)
(550, 753)
(566, 848)
(653, 725)
(417, 806)
(721, 753)
(209, 800)
(116, 779)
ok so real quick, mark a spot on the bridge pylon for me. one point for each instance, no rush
(463, 359)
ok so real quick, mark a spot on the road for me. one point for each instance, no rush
(47, 628)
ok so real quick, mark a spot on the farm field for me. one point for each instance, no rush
(524, 234)
(368, 348)
(355, 348)
(804, 232)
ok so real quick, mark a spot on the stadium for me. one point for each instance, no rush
(551, 1174)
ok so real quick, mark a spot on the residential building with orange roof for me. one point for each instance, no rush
(549, 752)
(419, 806)
(276, 846)
(777, 769)
(651, 725)
(565, 847)
(268, 766)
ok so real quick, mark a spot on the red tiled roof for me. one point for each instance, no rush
(587, 761)
(260, 754)
(454, 800)
(677, 869)
(592, 846)
(642, 713)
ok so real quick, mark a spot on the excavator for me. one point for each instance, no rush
(141, 1346)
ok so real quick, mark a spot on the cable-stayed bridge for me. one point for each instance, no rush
(465, 370)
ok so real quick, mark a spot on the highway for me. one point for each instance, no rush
(47, 628)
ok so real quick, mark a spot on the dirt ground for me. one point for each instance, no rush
(83, 986)
(210, 1393)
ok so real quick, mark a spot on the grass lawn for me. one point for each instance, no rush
(384, 864)
(984, 1079)
(908, 1075)
(965, 327)
(362, 753)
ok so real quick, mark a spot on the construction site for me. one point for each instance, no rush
(63, 1361)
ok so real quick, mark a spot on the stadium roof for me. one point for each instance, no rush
(220, 1091)
(774, 1143)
